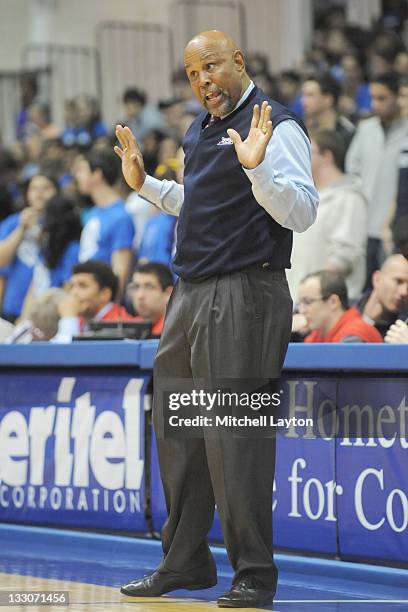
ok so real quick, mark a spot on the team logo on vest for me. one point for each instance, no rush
(224, 141)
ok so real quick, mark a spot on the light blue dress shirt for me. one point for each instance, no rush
(282, 183)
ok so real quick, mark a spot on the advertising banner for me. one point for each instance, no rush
(372, 469)
(72, 448)
(304, 506)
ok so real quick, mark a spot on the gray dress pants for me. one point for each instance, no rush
(229, 326)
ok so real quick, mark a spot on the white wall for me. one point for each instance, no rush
(76, 19)
(13, 33)
(278, 27)
(71, 22)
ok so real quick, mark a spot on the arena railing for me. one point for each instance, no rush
(74, 70)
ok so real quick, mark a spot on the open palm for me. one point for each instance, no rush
(251, 151)
(131, 156)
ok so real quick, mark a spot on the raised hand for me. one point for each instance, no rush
(69, 306)
(251, 152)
(397, 333)
(28, 218)
(131, 156)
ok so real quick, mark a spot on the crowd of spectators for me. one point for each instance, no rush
(76, 245)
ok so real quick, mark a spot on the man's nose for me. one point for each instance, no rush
(139, 295)
(404, 290)
(204, 78)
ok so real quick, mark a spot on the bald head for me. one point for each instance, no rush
(215, 67)
(394, 262)
(391, 283)
(216, 38)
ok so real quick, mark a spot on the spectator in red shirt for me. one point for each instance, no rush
(323, 301)
(149, 292)
(91, 294)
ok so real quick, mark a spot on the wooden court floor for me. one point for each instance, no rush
(92, 566)
(84, 597)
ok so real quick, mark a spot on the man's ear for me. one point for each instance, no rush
(106, 294)
(239, 60)
(168, 292)
(98, 175)
(334, 301)
(376, 278)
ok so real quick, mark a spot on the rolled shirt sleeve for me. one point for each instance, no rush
(68, 327)
(282, 184)
(166, 195)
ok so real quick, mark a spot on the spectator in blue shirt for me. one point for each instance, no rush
(158, 236)
(157, 239)
(19, 245)
(84, 123)
(354, 84)
(141, 116)
(109, 231)
(290, 91)
(59, 243)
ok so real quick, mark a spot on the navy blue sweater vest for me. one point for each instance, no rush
(221, 226)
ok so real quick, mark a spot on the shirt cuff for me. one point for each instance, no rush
(67, 328)
(260, 173)
(151, 189)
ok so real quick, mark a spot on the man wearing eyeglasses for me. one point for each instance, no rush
(149, 292)
(323, 301)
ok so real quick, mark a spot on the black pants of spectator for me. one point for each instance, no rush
(232, 326)
(374, 260)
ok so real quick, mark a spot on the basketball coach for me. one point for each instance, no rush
(247, 187)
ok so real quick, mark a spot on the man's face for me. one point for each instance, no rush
(391, 284)
(289, 88)
(148, 298)
(91, 298)
(312, 305)
(36, 116)
(132, 108)
(402, 100)
(351, 68)
(215, 73)
(383, 102)
(314, 102)
(401, 63)
(84, 175)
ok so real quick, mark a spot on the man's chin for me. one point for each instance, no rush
(87, 315)
(220, 110)
(144, 315)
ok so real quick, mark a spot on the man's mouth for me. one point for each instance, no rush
(213, 98)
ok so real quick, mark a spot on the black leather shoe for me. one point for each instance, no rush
(247, 593)
(160, 582)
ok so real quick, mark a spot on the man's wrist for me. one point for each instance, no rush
(140, 185)
(69, 325)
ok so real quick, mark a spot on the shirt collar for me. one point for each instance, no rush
(99, 315)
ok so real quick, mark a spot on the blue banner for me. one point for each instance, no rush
(304, 506)
(372, 470)
(72, 454)
(72, 448)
